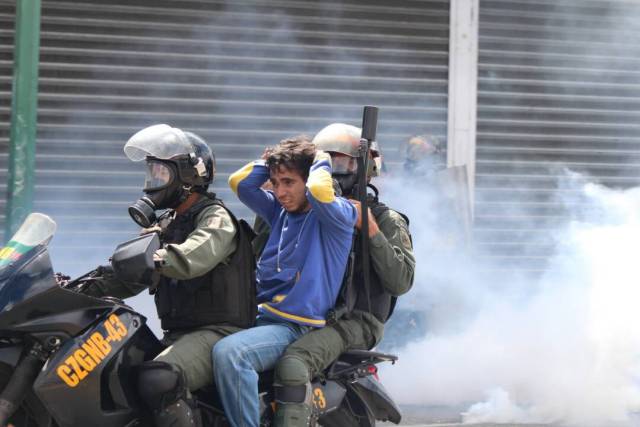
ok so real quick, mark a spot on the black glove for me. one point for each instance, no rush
(103, 272)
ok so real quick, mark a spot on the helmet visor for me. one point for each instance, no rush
(343, 164)
(159, 175)
(160, 141)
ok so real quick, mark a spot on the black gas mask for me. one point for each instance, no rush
(162, 190)
(344, 173)
(346, 182)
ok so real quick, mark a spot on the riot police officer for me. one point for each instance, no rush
(391, 273)
(206, 289)
(423, 156)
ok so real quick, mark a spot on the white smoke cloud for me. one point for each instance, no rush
(562, 348)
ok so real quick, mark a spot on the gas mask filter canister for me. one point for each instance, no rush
(143, 212)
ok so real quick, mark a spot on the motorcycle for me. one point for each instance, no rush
(69, 359)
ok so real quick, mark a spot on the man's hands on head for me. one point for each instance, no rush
(373, 225)
(267, 186)
(321, 155)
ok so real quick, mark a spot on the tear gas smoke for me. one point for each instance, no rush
(561, 348)
(243, 75)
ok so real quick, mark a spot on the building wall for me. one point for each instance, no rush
(243, 74)
(7, 14)
(558, 91)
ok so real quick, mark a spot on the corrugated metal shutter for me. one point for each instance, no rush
(7, 14)
(243, 74)
(558, 86)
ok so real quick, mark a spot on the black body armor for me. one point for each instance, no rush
(226, 295)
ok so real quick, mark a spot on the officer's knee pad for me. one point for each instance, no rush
(291, 370)
(160, 384)
(291, 381)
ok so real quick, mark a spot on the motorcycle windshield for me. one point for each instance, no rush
(35, 233)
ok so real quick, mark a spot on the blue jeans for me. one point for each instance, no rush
(238, 358)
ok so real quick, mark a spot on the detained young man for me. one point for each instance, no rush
(299, 273)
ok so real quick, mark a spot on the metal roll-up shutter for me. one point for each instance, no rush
(559, 86)
(7, 17)
(243, 74)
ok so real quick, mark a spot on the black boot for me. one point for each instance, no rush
(293, 415)
(178, 414)
(162, 387)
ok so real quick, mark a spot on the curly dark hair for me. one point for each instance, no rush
(294, 153)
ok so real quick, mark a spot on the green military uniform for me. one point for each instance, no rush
(211, 242)
(393, 263)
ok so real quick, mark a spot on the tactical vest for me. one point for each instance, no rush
(226, 295)
(382, 302)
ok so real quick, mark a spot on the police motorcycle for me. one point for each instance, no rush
(70, 359)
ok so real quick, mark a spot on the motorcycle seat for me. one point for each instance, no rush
(360, 356)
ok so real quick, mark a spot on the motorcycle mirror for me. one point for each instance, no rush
(132, 261)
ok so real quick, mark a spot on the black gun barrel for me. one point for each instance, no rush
(369, 126)
(369, 123)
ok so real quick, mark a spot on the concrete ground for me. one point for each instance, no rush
(484, 425)
(462, 425)
(436, 416)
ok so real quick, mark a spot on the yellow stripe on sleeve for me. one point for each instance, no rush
(278, 298)
(239, 175)
(320, 185)
(293, 316)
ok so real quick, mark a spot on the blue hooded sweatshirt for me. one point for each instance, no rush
(303, 263)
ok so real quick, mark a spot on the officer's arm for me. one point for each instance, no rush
(109, 285)
(392, 254)
(246, 183)
(212, 242)
(331, 210)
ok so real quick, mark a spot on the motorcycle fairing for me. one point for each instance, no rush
(377, 399)
(84, 382)
(327, 396)
(29, 276)
(31, 300)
